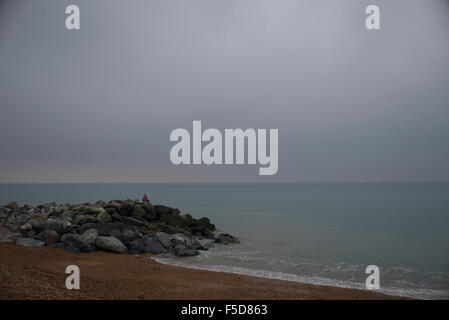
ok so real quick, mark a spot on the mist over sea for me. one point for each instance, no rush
(314, 233)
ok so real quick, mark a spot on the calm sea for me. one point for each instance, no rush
(313, 233)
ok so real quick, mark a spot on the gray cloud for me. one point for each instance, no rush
(99, 104)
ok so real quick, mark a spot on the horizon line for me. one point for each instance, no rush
(239, 182)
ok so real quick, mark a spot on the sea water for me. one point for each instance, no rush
(314, 233)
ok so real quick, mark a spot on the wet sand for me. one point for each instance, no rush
(39, 273)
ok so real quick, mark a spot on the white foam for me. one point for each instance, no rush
(314, 280)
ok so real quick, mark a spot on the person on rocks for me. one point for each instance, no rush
(145, 199)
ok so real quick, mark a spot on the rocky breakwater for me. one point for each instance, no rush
(116, 226)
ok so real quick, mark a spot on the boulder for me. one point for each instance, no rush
(61, 226)
(128, 234)
(23, 218)
(81, 219)
(182, 238)
(90, 236)
(152, 246)
(174, 220)
(182, 251)
(94, 210)
(49, 236)
(30, 242)
(104, 217)
(149, 208)
(198, 246)
(206, 243)
(127, 208)
(115, 204)
(225, 238)
(104, 229)
(66, 215)
(160, 209)
(138, 212)
(200, 227)
(8, 236)
(136, 247)
(164, 239)
(119, 235)
(111, 244)
(75, 244)
(133, 221)
(205, 222)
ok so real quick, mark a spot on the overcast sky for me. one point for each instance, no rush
(98, 104)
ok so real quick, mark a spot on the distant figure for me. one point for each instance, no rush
(145, 198)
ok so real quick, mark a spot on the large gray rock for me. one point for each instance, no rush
(182, 238)
(111, 244)
(119, 235)
(114, 204)
(80, 219)
(90, 236)
(133, 221)
(104, 229)
(206, 243)
(104, 217)
(8, 236)
(94, 210)
(149, 208)
(175, 220)
(61, 226)
(68, 235)
(164, 239)
(30, 242)
(160, 209)
(138, 212)
(75, 244)
(182, 251)
(152, 246)
(48, 236)
(23, 218)
(136, 247)
(128, 234)
(225, 238)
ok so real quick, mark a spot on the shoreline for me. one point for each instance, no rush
(39, 273)
(274, 275)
